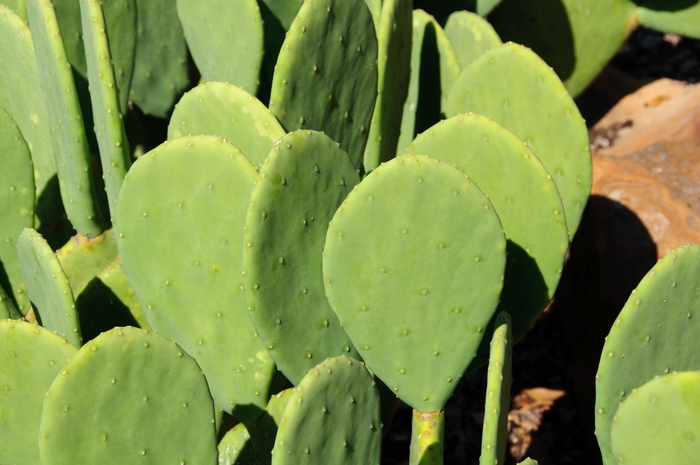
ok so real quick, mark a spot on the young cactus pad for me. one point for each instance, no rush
(128, 396)
(236, 448)
(301, 184)
(470, 35)
(660, 422)
(30, 359)
(655, 334)
(181, 214)
(224, 110)
(494, 438)
(47, 286)
(16, 203)
(537, 109)
(68, 138)
(82, 258)
(527, 202)
(264, 431)
(332, 417)
(413, 267)
(225, 38)
(326, 73)
(394, 68)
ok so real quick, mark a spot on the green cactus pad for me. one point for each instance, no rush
(120, 18)
(236, 448)
(181, 217)
(413, 267)
(225, 38)
(576, 37)
(529, 461)
(47, 286)
(655, 334)
(427, 438)
(18, 6)
(660, 422)
(224, 110)
(527, 202)
(160, 61)
(20, 97)
(31, 357)
(337, 398)
(393, 69)
(484, 7)
(131, 397)
(683, 18)
(494, 438)
(301, 184)
(119, 292)
(109, 128)
(427, 88)
(264, 430)
(16, 204)
(470, 35)
(284, 10)
(328, 40)
(82, 258)
(70, 145)
(537, 109)
(7, 306)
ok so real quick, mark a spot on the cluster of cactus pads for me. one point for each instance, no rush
(356, 205)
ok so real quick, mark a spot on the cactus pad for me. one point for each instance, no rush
(660, 422)
(671, 18)
(16, 203)
(264, 430)
(190, 196)
(47, 286)
(301, 184)
(236, 448)
(329, 39)
(31, 357)
(162, 398)
(338, 398)
(525, 198)
(470, 35)
(225, 38)
(82, 258)
(537, 109)
(655, 334)
(413, 267)
(224, 110)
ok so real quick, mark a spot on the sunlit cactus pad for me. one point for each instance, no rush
(660, 422)
(339, 399)
(181, 214)
(131, 397)
(413, 268)
(301, 184)
(655, 334)
(30, 359)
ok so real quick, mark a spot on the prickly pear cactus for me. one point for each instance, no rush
(301, 184)
(82, 258)
(682, 18)
(339, 398)
(329, 39)
(225, 38)
(224, 110)
(413, 267)
(16, 203)
(533, 107)
(31, 358)
(526, 199)
(48, 287)
(284, 10)
(7, 306)
(165, 413)
(654, 335)
(236, 448)
(264, 431)
(471, 36)
(188, 278)
(660, 422)
(494, 438)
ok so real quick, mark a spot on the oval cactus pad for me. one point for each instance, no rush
(332, 417)
(181, 214)
(30, 359)
(301, 184)
(527, 202)
(537, 109)
(128, 396)
(655, 334)
(326, 73)
(413, 268)
(224, 110)
(660, 422)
